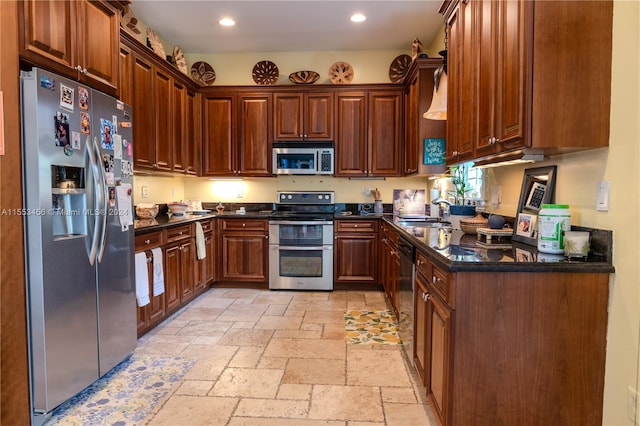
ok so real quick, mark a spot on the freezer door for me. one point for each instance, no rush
(61, 283)
(116, 284)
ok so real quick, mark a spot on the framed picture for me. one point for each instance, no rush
(524, 255)
(526, 225)
(538, 185)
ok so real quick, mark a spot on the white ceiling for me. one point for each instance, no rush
(283, 26)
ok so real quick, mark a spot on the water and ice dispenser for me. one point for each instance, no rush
(68, 201)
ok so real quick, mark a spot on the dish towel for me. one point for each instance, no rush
(201, 249)
(142, 279)
(158, 272)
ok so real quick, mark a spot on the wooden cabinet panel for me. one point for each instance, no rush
(288, 119)
(191, 151)
(125, 85)
(421, 329)
(319, 116)
(385, 133)
(244, 225)
(172, 277)
(438, 385)
(302, 116)
(254, 153)
(78, 39)
(355, 259)
(356, 226)
(244, 257)
(144, 147)
(219, 135)
(162, 90)
(178, 114)
(351, 134)
(151, 314)
(187, 271)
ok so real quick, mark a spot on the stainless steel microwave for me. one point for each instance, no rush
(303, 158)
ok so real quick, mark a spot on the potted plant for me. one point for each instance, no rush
(461, 189)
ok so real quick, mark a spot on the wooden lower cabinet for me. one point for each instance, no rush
(390, 265)
(206, 267)
(244, 245)
(151, 314)
(511, 348)
(356, 252)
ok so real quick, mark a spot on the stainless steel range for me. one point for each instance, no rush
(301, 241)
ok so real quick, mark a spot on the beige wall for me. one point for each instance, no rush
(578, 175)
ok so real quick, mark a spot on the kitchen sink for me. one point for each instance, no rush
(423, 223)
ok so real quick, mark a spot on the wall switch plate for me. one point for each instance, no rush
(145, 191)
(367, 192)
(602, 197)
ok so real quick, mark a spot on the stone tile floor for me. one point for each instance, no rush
(281, 358)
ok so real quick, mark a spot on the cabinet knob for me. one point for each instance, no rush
(425, 296)
(355, 226)
(266, 237)
(179, 232)
(147, 242)
(149, 259)
(244, 225)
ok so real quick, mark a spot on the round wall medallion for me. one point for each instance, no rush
(265, 72)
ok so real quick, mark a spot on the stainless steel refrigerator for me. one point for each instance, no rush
(79, 238)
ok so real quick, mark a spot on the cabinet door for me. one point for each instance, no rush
(179, 124)
(172, 277)
(48, 33)
(187, 270)
(98, 40)
(355, 258)
(244, 257)
(287, 116)
(385, 133)
(421, 329)
(125, 85)
(460, 90)
(318, 116)
(351, 134)
(254, 153)
(162, 90)
(412, 117)
(219, 135)
(191, 135)
(144, 147)
(438, 385)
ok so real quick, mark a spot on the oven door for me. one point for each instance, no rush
(301, 232)
(300, 267)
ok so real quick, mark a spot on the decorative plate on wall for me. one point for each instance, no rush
(203, 73)
(304, 77)
(156, 44)
(265, 72)
(341, 73)
(399, 67)
(179, 60)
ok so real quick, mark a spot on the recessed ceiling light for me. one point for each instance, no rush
(227, 22)
(358, 17)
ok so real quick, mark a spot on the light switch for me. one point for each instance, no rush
(145, 191)
(602, 197)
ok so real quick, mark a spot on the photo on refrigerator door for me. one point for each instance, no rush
(106, 130)
(61, 122)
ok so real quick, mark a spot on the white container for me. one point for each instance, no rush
(553, 221)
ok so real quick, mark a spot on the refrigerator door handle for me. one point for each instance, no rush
(92, 165)
(104, 214)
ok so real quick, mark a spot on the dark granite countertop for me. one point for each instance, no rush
(457, 251)
(165, 220)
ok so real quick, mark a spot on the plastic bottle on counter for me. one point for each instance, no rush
(553, 220)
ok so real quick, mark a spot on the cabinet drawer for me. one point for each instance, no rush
(423, 265)
(149, 240)
(178, 233)
(356, 226)
(244, 225)
(207, 225)
(440, 282)
(390, 234)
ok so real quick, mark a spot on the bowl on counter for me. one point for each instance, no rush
(177, 208)
(147, 211)
(470, 226)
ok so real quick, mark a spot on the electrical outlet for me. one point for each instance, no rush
(632, 401)
(145, 191)
(240, 194)
(367, 192)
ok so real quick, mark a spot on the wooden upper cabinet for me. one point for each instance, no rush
(191, 135)
(125, 85)
(162, 90)
(218, 134)
(385, 133)
(254, 152)
(78, 39)
(351, 134)
(301, 116)
(178, 141)
(144, 148)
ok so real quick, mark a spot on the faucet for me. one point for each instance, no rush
(444, 208)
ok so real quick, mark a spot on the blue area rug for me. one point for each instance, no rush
(126, 395)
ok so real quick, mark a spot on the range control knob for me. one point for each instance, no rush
(320, 197)
(289, 196)
(326, 197)
(283, 196)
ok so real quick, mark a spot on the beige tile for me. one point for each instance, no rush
(271, 298)
(358, 403)
(408, 415)
(212, 302)
(298, 334)
(243, 324)
(242, 312)
(194, 411)
(204, 328)
(278, 323)
(377, 368)
(247, 382)
(316, 316)
(315, 371)
(164, 338)
(293, 391)
(208, 340)
(204, 352)
(333, 331)
(244, 421)
(211, 367)
(272, 408)
(272, 362)
(247, 357)
(276, 310)
(398, 395)
(311, 327)
(194, 387)
(306, 348)
(246, 337)
(201, 314)
(166, 349)
(239, 293)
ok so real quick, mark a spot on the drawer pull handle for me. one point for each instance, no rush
(147, 242)
(244, 225)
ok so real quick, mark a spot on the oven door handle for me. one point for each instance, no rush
(301, 222)
(301, 248)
